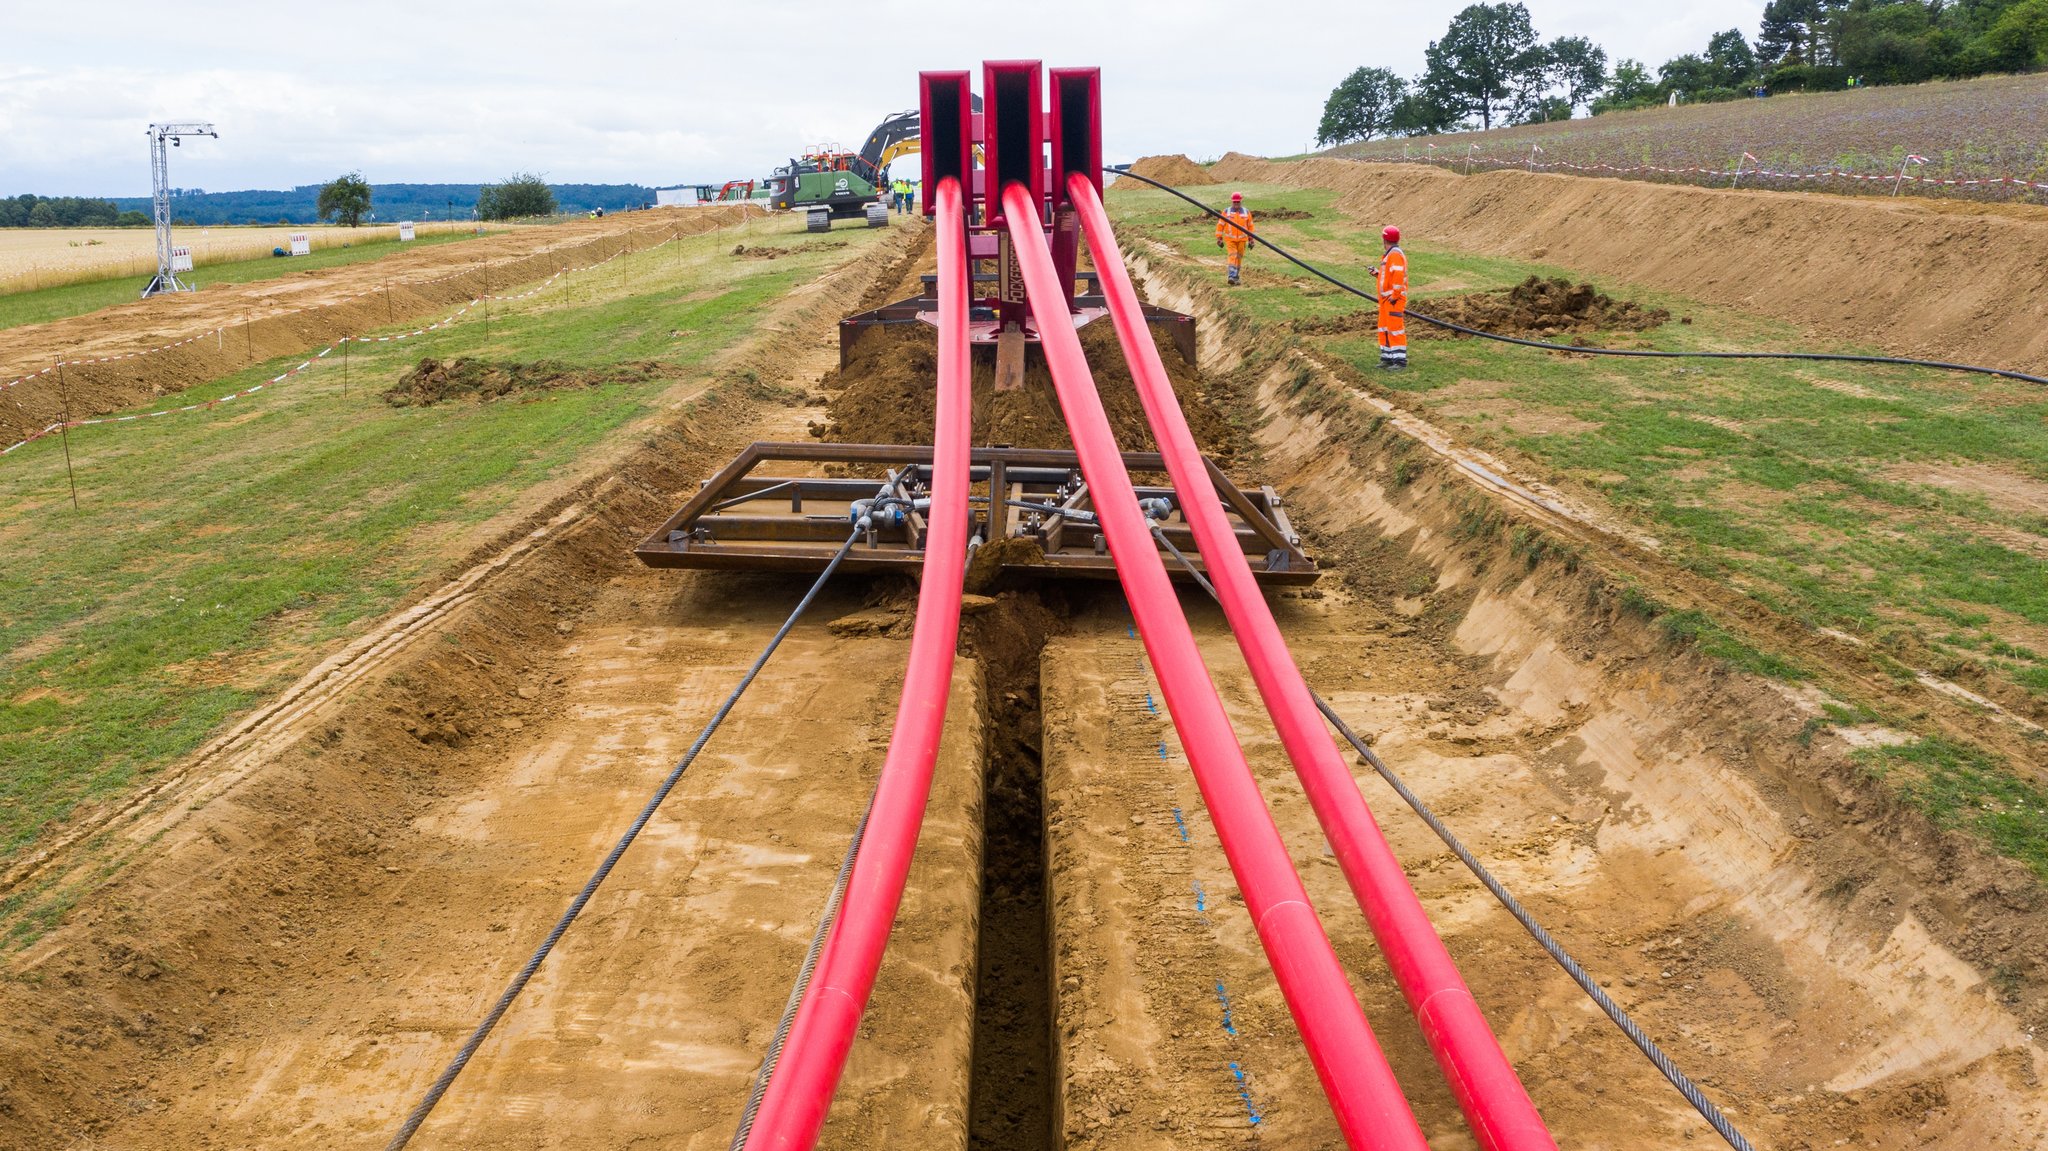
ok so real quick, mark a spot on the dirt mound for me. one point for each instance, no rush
(1176, 170)
(1849, 268)
(439, 381)
(1542, 309)
(1258, 216)
(885, 395)
(771, 252)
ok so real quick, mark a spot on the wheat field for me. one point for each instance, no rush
(32, 258)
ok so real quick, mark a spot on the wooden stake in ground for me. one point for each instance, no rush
(345, 341)
(248, 338)
(387, 304)
(487, 305)
(64, 432)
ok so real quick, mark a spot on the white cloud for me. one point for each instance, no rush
(664, 92)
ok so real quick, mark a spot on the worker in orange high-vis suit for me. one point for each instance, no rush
(1234, 235)
(1393, 278)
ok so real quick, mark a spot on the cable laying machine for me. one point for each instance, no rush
(1032, 501)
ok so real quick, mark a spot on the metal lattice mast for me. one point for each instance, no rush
(162, 138)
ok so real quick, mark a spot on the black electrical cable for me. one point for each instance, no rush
(1842, 357)
(440, 1086)
(1643, 1042)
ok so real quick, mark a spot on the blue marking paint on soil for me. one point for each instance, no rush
(1244, 1093)
(1229, 1025)
(1181, 824)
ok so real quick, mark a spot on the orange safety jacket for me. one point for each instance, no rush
(1234, 227)
(1394, 298)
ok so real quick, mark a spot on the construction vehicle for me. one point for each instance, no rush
(829, 183)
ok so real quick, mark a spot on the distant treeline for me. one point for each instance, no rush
(1491, 68)
(27, 211)
(388, 202)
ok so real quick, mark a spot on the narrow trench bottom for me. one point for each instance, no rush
(1011, 1101)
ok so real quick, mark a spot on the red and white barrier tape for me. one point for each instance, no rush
(61, 425)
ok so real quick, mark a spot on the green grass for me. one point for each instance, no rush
(1793, 482)
(218, 553)
(45, 304)
(1789, 480)
(1963, 788)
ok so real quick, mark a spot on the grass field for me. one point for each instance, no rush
(37, 258)
(1904, 507)
(217, 554)
(1968, 129)
(45, 304)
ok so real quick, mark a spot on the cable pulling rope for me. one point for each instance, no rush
(440, 1086)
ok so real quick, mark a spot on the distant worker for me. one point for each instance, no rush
(1393, 277)
(902, 188)
(1234, 235)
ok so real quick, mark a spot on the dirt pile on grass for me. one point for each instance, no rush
(886, 394)
(1542, 309)
(771, 252)
(1259, 216)
(1176, 170)
(1846, 267)
(441, 381)
(1536, 308)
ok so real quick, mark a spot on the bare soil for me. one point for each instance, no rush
(433, 381)
(1177, 170)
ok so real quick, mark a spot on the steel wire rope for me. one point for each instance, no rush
(803, 979)
(440, 1086)
(1686, 1087)
(1637, 353)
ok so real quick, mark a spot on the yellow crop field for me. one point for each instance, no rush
(48, 257)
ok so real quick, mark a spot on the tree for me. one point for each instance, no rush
(1580, 68)
(345, 200)
(518, 195)
(1476, 66)
(1361, 107)
(1687, 75)
(1632, 84)
(2020, 37)
(1734, 64)
(1420, 113)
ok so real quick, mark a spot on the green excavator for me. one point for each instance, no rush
(828, 184)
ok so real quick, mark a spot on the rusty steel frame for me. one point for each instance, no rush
(740, 521)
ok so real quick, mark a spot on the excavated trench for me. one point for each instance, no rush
(1011, 1099)
(1072, 967)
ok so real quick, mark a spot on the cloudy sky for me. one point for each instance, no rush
(677, 91)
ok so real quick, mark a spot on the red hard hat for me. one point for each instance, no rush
(1237, 197)
(1390, 234)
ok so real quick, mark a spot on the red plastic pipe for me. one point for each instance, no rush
(1488, 1091)
(1370, 1110)
(800, 1093)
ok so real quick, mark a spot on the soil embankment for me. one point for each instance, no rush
(120, 357)
(1916, 278)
